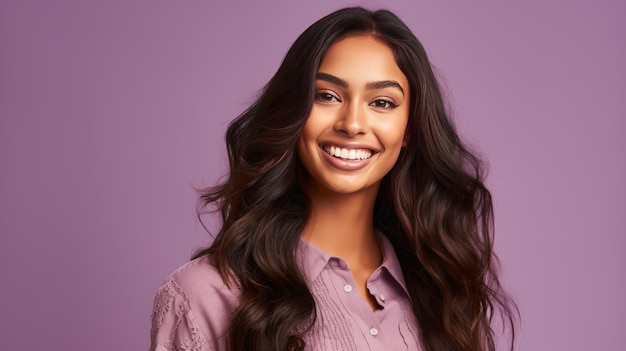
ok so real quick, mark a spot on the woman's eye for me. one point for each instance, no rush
(326, 97)
(386, 104)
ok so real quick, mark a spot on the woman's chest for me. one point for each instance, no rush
(344, 321)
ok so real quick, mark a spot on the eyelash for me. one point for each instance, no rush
(380, 103)
(326, 96)
(388, 105)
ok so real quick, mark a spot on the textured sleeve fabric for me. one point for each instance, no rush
(191, 310)
(174, 326)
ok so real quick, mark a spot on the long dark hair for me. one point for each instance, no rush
(432, 205)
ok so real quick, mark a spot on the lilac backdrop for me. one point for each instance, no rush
(111, 111)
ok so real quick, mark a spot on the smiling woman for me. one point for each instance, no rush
(359, 110)
(353, 217)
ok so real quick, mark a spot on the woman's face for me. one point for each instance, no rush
(356, 128)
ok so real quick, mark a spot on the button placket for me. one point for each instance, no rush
(363, 317)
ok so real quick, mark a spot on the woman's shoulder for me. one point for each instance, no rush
(200, 277)
(199, 283)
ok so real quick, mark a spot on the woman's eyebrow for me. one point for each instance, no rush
(370, 86)
(332, 79)
(384, 84)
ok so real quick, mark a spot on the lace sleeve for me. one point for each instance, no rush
(174, 326)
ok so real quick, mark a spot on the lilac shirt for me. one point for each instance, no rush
(192, 309)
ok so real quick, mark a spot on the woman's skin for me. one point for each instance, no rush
(361, 104)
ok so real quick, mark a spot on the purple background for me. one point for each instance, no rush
(111, 111)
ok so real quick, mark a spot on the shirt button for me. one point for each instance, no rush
(347, 288)
(373, 332)
(381, 297)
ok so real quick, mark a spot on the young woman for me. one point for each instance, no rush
(353, 217)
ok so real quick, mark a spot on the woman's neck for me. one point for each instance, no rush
(342, 225)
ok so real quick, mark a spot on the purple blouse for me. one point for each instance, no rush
(192, 309)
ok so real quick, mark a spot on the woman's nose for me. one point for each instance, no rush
(352, 120)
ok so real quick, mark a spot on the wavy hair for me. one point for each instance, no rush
(432, 205)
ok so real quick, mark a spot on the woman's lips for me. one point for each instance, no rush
(347, 159)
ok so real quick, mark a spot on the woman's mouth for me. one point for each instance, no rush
(347, 154)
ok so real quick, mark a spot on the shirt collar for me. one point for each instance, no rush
(313, 260)
(390, 261)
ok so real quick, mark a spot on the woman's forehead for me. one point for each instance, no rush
(361, 60)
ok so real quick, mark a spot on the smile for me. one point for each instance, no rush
(347, 154)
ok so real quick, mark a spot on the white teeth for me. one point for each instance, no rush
(348, 154)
